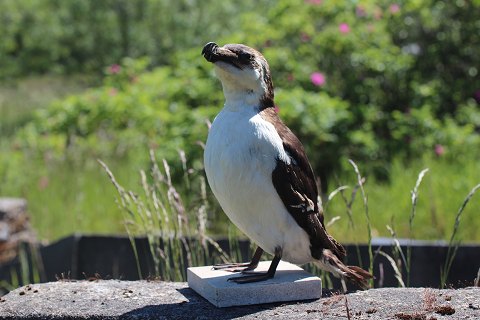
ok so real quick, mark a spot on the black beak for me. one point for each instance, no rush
(210, 51)
(213, 53)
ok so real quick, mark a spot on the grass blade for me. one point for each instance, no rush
(332, 221)
(333, 194)
(397, 249)
(453, 243)
(414, 198)
(124, 204)
(476, 282)
(398, 274)
(360, 181)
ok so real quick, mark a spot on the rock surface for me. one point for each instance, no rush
(114, 299)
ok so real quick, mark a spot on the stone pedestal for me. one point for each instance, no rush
(291, 283)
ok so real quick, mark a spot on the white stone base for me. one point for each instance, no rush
(291, 283)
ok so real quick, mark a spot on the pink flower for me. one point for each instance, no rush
(315, 2)
(114, 69)
(439, 150)
(344, 28)
(277, 109)
(394, 8)
(318, 79)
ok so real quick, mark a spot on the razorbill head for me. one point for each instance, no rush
(259, 172)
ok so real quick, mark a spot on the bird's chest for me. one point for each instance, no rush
(241, 152)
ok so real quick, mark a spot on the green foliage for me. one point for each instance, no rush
(387, 87)
(19, 99)
(388, 63)
(324, 124)
(379, 82)
(132, 110)
(84, 36)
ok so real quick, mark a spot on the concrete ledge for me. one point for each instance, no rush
(114, 299)
(291, 283)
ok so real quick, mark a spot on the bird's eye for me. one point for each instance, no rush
(244, 56)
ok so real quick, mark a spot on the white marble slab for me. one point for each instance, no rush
(291, 283)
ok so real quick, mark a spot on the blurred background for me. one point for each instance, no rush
(392, 85)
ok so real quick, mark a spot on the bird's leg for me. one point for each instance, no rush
(240, 267)
(261, 276)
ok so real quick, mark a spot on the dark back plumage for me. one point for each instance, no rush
(295, 184)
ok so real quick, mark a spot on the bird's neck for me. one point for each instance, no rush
(238, 100)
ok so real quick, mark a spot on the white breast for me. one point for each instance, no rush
(240, 156)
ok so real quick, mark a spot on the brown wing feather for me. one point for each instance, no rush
(295, 184)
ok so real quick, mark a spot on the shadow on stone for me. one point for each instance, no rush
(194, 306)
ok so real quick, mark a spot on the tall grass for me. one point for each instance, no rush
(440, 192)
(161, 215)
(414, 198)
(454, 242)
(176, 221)
(399, 258)
(349, 211)
(176, 231)
(360, 181)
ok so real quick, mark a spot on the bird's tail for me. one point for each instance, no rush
(330, 262)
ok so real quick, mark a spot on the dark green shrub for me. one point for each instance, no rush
(86, 35)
